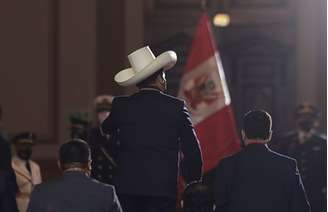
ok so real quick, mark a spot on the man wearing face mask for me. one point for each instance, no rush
(27, 171)
(103, 148)
(79, 125)
(309, 148)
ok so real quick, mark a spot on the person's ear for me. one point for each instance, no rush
(89, 167)
(59, 165)
(243, 135)
(161, 79)
(270, 135)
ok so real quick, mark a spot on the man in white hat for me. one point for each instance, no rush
(152, 128)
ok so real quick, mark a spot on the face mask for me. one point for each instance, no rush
(102, 116)
(25, 153)
(305, 125)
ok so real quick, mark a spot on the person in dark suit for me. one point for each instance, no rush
(258, 179)
(152, 128)
(309, 148)
(75, 190)
(8, 183)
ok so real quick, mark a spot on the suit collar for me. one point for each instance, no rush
(256, 147)
(150, 89)
(19, 167)
(74, 174)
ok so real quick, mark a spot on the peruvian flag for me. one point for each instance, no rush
(203, 87)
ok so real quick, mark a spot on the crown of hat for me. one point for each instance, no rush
(140, 58)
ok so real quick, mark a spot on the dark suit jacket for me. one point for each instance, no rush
(103, 154)
(74, 191)
(7, 194)
(311, 157)
(152, 127)
(258, 179)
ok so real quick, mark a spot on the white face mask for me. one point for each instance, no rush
(102, 116)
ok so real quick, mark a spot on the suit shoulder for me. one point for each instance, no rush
(102, 186)
(283, 158)
(287, 135)
(118, 99)
(230, 158)
(35, 164)
(44, 187)
(173, 99)
(320, 138)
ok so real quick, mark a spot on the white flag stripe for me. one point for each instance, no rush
(204, 89)
(223, 79)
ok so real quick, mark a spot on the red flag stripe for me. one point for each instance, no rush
(203, 46)
(218, 137)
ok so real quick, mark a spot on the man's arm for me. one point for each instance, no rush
(299, 201)
(192, 157)
(109, 124)
(116, 206)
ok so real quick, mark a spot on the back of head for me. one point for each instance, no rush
(197, 198)
(151, 80)
(74, 153)
(257, 125)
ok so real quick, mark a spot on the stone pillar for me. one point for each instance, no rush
(311, 55)
(76, 60)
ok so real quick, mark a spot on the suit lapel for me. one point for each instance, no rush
(19, 167)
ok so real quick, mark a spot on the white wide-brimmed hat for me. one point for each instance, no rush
(144, 64)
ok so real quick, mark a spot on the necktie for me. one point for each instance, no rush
(28, 167)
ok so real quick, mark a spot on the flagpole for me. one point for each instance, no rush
(203, 5)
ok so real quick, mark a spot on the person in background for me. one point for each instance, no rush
(27, 172)
(74, 191)
(103, 148)
(79, 125)
(309, 148)
(197, 198)
(8, 184)
(257, 179)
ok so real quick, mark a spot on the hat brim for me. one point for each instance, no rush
(129, 77)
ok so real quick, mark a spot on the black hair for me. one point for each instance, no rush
(257, 124)
(150, 80)
(75, 151)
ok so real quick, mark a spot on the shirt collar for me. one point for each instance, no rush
(150, 89)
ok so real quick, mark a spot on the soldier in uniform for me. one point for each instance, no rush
(103, 148)
(79, 125)
(309, 148)
(27, 171)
